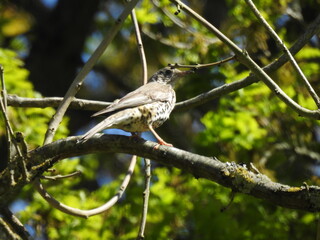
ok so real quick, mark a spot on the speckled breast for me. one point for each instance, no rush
(154, 113)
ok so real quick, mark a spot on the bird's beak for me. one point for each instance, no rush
(184, 73)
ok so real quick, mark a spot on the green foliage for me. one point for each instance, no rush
(15, 76)
(32, 122)
(308, 66)
(241, 128)
(146, 13)
(243, 24)
(246, 126)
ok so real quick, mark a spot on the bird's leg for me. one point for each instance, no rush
(160, 140)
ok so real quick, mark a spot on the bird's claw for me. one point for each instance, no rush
(162, 143)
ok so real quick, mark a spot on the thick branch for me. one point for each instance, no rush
(230, 175)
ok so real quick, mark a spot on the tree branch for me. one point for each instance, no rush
(230, 175)
(5, 231)
(140, 47)
(204, 65)
(146, 161)
(76, 84)
(14, 223)
(78, 104)
(13, 146)
(146, 194)
(58, 177)
(286, 51)
(244, 58)
(311, 30)
(87, 213)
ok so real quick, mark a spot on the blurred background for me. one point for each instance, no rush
(44, 43)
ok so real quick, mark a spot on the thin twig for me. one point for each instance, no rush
(14, 223)
(3, 100)
(76, 84)
(147, 161)
(79, 104)
(146, 195)
(178, 10)
(281, 44)
(6, 230)
(6, 119)
(232, 195)
(199, 66)
(10, 134)
(312, 29)
(181, 24)
(140, 47)
(3, 89)
(244, 58)
(255, 168)
(57, 177)
(3, 108)
(87, 213)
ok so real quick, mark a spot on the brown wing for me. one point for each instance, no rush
(145, 94)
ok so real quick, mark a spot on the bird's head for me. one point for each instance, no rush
(168, 75)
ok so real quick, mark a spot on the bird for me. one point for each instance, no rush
(143, 109)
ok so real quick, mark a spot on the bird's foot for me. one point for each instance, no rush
(160, 140)
(162, 143)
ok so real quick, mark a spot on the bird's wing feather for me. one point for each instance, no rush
(140, 96)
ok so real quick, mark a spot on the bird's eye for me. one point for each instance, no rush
(168, 73)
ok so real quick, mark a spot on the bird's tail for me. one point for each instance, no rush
(98, 128)
(109, 122)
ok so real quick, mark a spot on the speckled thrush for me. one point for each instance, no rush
(144, 109)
